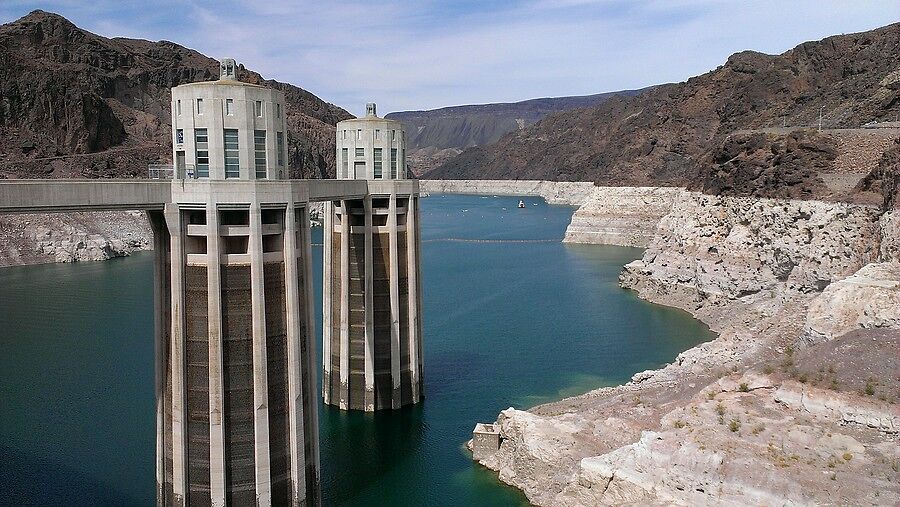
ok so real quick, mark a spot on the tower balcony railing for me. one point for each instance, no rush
(188, 171)
(160, 171)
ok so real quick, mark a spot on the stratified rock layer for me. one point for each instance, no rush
(623, 216)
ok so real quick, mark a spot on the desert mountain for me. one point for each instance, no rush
(75, 104)
(676, 134)
(437, 134)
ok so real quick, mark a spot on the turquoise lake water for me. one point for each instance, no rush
(507, 323)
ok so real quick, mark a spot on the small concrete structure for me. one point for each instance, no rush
(372, 338)
(485, 441)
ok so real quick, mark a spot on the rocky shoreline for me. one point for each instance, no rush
(796, 399)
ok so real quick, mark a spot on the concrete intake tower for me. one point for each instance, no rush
(237, 416)
(372, 327)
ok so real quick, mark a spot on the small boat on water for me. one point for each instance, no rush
(521, 204)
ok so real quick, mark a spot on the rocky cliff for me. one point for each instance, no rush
(664, 135)
(795, 401)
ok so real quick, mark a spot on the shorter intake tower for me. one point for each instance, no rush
(372, 329)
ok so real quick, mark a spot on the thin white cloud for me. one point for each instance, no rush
(426, 54)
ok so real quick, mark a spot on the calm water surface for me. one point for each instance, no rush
(506, 324)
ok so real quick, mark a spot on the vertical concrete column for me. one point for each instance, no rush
(216, 377)
(260, 378)
(394, 275)
(412, 253)
(179, 419)
(370, 313)
(157, 223)
(418, 268)
(309, 365)
(327, 295)
(345, 306)
(296, 368)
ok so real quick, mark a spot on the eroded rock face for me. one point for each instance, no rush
(736, 247)
(72, 237)
(772, 443)
(623, 216)
(867, 299)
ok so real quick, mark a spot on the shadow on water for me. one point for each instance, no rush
(363, 447)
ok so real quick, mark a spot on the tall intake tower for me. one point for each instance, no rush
(236, 409)
(372, 340)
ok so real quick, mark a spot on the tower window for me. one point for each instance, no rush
(377, 166)
(377, 134)
(199, 106)
(360, 152)
(279, 138)
(259, 152)
(258, 108)
(232, 159)
(229, 107)
(345, 161)
(277, 110)
(178, 107)
(179, 136)
(344, 134)
(393, 163)
(201, 142)
(393, 135)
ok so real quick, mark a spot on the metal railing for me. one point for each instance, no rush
(160, 171)
(189, 172)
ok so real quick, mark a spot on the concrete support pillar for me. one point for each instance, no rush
(179, 413)
(419, 330)
(412, 252)
(216, 377)
(345, 306)
(369, 310)
(260, 377)
(160, 235)
(327, 295)
(296, 368)
(309, 366)
(394, 275)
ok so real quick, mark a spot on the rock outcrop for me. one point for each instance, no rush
(554, 192)
(71, 237)
(713, 247)
(623, 216)
(869, 298)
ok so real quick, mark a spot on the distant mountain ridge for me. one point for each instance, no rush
(438, 134)
(481, 124)
(76, 104)
(668, 134)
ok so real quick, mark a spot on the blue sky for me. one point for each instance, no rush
(428, 53)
